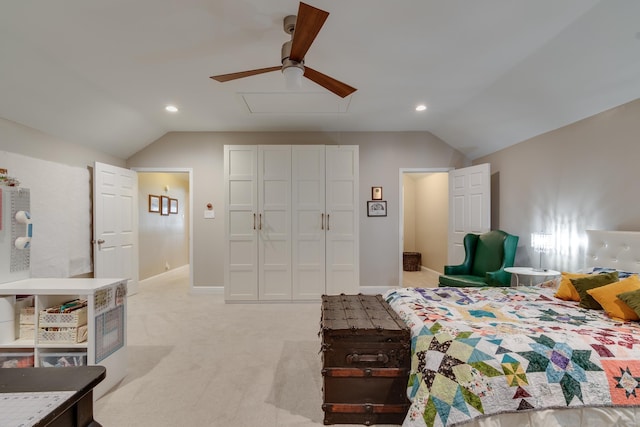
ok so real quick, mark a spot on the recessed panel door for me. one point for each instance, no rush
(342, 263)
(115, 226)
(308, 221)
(274, 222)
(469, 206)
(241, 222)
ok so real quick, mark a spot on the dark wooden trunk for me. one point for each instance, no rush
(366, 360)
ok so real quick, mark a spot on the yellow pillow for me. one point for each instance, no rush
(607, 297)
(566, 290)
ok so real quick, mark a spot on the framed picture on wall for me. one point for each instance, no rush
(376, 193)
(377, 208)
(154, 203)
(164, 205)
(173, 206)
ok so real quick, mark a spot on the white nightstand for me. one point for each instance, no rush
(531, 272)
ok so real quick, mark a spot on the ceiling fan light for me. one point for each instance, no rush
(293, 77)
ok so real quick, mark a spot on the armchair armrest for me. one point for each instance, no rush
(498, 278)
(469, 242)
(501, 277)
(456, 269)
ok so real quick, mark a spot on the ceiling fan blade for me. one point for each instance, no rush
(241, 74)
(309, 21)
(329, 83)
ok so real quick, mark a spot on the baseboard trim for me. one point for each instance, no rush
(184, 269)
(434, 274)
(207, 290)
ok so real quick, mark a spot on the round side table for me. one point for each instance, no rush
(531, 272)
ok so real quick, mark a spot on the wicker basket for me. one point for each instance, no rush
(63, 320)
(411, 261)
(65, 328)
(62, 335)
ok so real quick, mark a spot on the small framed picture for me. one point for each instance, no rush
(164, 205)
(154, 203)
(376, 193)
(377, 208)
(173, 206)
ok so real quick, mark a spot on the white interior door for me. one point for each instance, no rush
(241, 222)
(342, 262)
(115, 224)
(308, 221)
(274, 222)
(469, 206)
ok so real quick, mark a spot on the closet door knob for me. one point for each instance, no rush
(254, 221)
(322, 221)
(328, 228)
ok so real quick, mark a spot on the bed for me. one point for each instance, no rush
(523, 357)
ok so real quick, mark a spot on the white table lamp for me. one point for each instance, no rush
(542, 243)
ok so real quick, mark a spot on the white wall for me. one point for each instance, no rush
(58, 175)
(382, 155)
(579, 177)
(24, 140)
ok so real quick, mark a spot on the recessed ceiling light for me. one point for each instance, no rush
(171, 108)
(421, 107)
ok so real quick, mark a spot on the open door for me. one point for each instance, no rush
(115, 224)
(469, 206)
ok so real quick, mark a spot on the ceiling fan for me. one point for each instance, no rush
(303, 29)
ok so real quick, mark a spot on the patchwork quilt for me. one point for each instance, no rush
(484, 351)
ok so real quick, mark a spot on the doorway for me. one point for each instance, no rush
(165, 235)
(424, 222)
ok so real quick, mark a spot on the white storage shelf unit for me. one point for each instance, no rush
(106, 341)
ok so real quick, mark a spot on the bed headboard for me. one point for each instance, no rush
(613, 249)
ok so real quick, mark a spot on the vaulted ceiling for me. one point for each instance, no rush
(491, 72)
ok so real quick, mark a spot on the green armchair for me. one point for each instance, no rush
(486, 257)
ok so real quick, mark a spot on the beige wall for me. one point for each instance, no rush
(426, 213)
(163, 240)
(382, 155)
(432, 219)
(409, 212)
(579, 177)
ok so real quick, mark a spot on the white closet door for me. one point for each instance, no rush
(342, 263)
(308, 221)
(241, 210)
(274, 222)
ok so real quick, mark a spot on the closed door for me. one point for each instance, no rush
(274, 222)
(241, 222)
(308, 221)
(342, 264)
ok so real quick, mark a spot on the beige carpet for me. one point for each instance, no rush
(196, 361)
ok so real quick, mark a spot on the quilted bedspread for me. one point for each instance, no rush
(483, 351)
